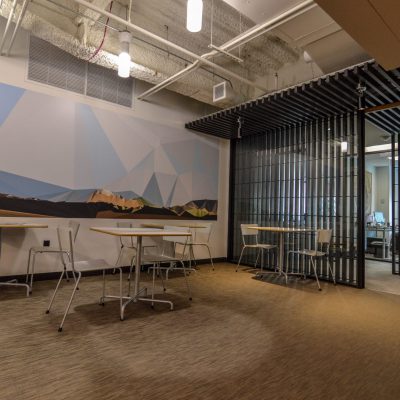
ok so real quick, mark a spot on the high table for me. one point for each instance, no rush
(19, 225)
(139, 233)
(281, 231)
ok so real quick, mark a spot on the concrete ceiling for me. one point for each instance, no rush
(79, 31)
(261, 10)
(375, 24)
(329, 46)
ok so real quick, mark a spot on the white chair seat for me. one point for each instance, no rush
(59, 250)
(66, 240)
(47, 249)
(264, 246)
(248, 232)
(156, 258)
(91, 265)
(311, 253)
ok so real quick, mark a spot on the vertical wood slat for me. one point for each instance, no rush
(298, 176)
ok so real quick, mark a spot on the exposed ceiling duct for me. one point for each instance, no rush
(79, 30)
(163, 51)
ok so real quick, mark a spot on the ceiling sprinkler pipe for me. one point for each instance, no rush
(239, 40)
(10, 17)
(17, 25)
(168, 43)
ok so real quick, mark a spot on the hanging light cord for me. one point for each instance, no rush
(104, 35)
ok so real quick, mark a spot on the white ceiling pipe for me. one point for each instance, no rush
(17, 25)
(10, 17)
(170, 80)
(239, 40)
(179, 75)
(168, 43)
(262, 28)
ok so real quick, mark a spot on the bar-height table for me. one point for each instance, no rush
(281, 231)
(139, 233)
(18, 225)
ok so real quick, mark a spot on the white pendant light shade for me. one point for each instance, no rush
(194, 16)
(124, 58)
(124, 65)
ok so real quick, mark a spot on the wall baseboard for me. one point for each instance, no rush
(46, 276)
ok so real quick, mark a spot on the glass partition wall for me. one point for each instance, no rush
(301, 176)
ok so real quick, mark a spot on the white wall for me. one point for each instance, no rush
(370, 167)
(382, 191)
(166, 107)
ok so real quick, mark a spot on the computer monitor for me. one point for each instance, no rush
(379, 217)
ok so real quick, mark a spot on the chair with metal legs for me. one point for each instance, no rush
(247, 236)
(169, 259)
(77, 268)
(33, 251)
(201, 238)
(126, 243)
(323, 241)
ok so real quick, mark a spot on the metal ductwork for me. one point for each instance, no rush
(161, 45)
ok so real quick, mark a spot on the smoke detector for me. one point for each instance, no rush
(222, 91)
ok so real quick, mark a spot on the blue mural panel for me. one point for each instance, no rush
(172, 172)
(9, 97)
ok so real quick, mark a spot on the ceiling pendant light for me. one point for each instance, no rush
(124, 58)
(194, 17)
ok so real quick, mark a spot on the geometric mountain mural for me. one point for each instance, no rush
(64, 158)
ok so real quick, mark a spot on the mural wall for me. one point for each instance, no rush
(67, 159)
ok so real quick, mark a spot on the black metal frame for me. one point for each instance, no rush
(395, 165)
(298, 176)
(361, 196)
(331, 95)
(329, 98)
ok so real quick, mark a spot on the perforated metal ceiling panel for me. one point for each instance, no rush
(52, 66)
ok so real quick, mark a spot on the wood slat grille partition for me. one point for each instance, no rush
(298, 176)
(330, 95)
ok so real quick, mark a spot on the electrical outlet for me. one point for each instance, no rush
(46, 243)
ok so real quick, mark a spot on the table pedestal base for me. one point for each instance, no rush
(135, 298)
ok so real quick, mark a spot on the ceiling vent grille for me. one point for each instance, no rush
(50, 65)
(222, 91)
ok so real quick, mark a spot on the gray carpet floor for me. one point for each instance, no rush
(379, 277)
(240, 338)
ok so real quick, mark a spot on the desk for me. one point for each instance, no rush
(17, 225)
(139, 233)
(384, 230)
(281, 231)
